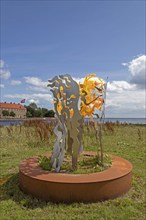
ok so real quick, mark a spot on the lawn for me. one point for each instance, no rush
(20, 142)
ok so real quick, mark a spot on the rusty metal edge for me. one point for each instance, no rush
(79, 178)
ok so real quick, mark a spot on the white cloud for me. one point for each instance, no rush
(36, 84)
(129, 103)
(33, 101)
(35, 81)
(4, 73)
(2, 85)
(127, 99)
(15, 82)
(137, 69)
(38, 89)
(1, 63)
(119, 86)
(37, 96)
(81, 80)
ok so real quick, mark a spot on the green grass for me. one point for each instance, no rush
(19, 143)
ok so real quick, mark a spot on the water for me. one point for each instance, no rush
(8, 122)
(128, 120)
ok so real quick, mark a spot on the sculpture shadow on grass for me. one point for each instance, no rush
(10, 190)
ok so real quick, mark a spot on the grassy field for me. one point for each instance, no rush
(20, 142)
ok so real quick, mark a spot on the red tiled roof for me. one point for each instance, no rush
(11, 106)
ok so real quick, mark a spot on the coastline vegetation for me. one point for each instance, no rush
(35, 138)
(34, 111)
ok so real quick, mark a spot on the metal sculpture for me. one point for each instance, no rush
(68, 130)
(69, 127)
(93, 96)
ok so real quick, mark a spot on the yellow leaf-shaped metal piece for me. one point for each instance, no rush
(59, 107)
(72, 96)
(91, 89)
(68, 86)
(61, 88)
(58, 95)
(71, 113)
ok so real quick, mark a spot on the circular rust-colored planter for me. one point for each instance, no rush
(63, 187)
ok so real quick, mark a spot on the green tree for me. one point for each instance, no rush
(38, 112)
(12, 114)
(5, 113)
(28, 114)
(34, 111)
(50, 114)
(30, 110)
(33, 106)
(44, 111)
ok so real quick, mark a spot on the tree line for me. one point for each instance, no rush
(34, 111)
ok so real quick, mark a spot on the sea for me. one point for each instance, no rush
(9, 122)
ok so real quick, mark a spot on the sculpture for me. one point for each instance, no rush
(67, 95)
(72, 103)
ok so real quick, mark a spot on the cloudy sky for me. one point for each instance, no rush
(41, 39)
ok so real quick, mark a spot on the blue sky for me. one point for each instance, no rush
(40, 39)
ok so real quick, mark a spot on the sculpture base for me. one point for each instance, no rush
(63, 187)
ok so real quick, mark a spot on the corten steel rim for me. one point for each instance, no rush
(63, 187)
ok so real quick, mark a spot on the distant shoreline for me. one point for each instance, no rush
(54, 118)
(18, 121)
(23, 119)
